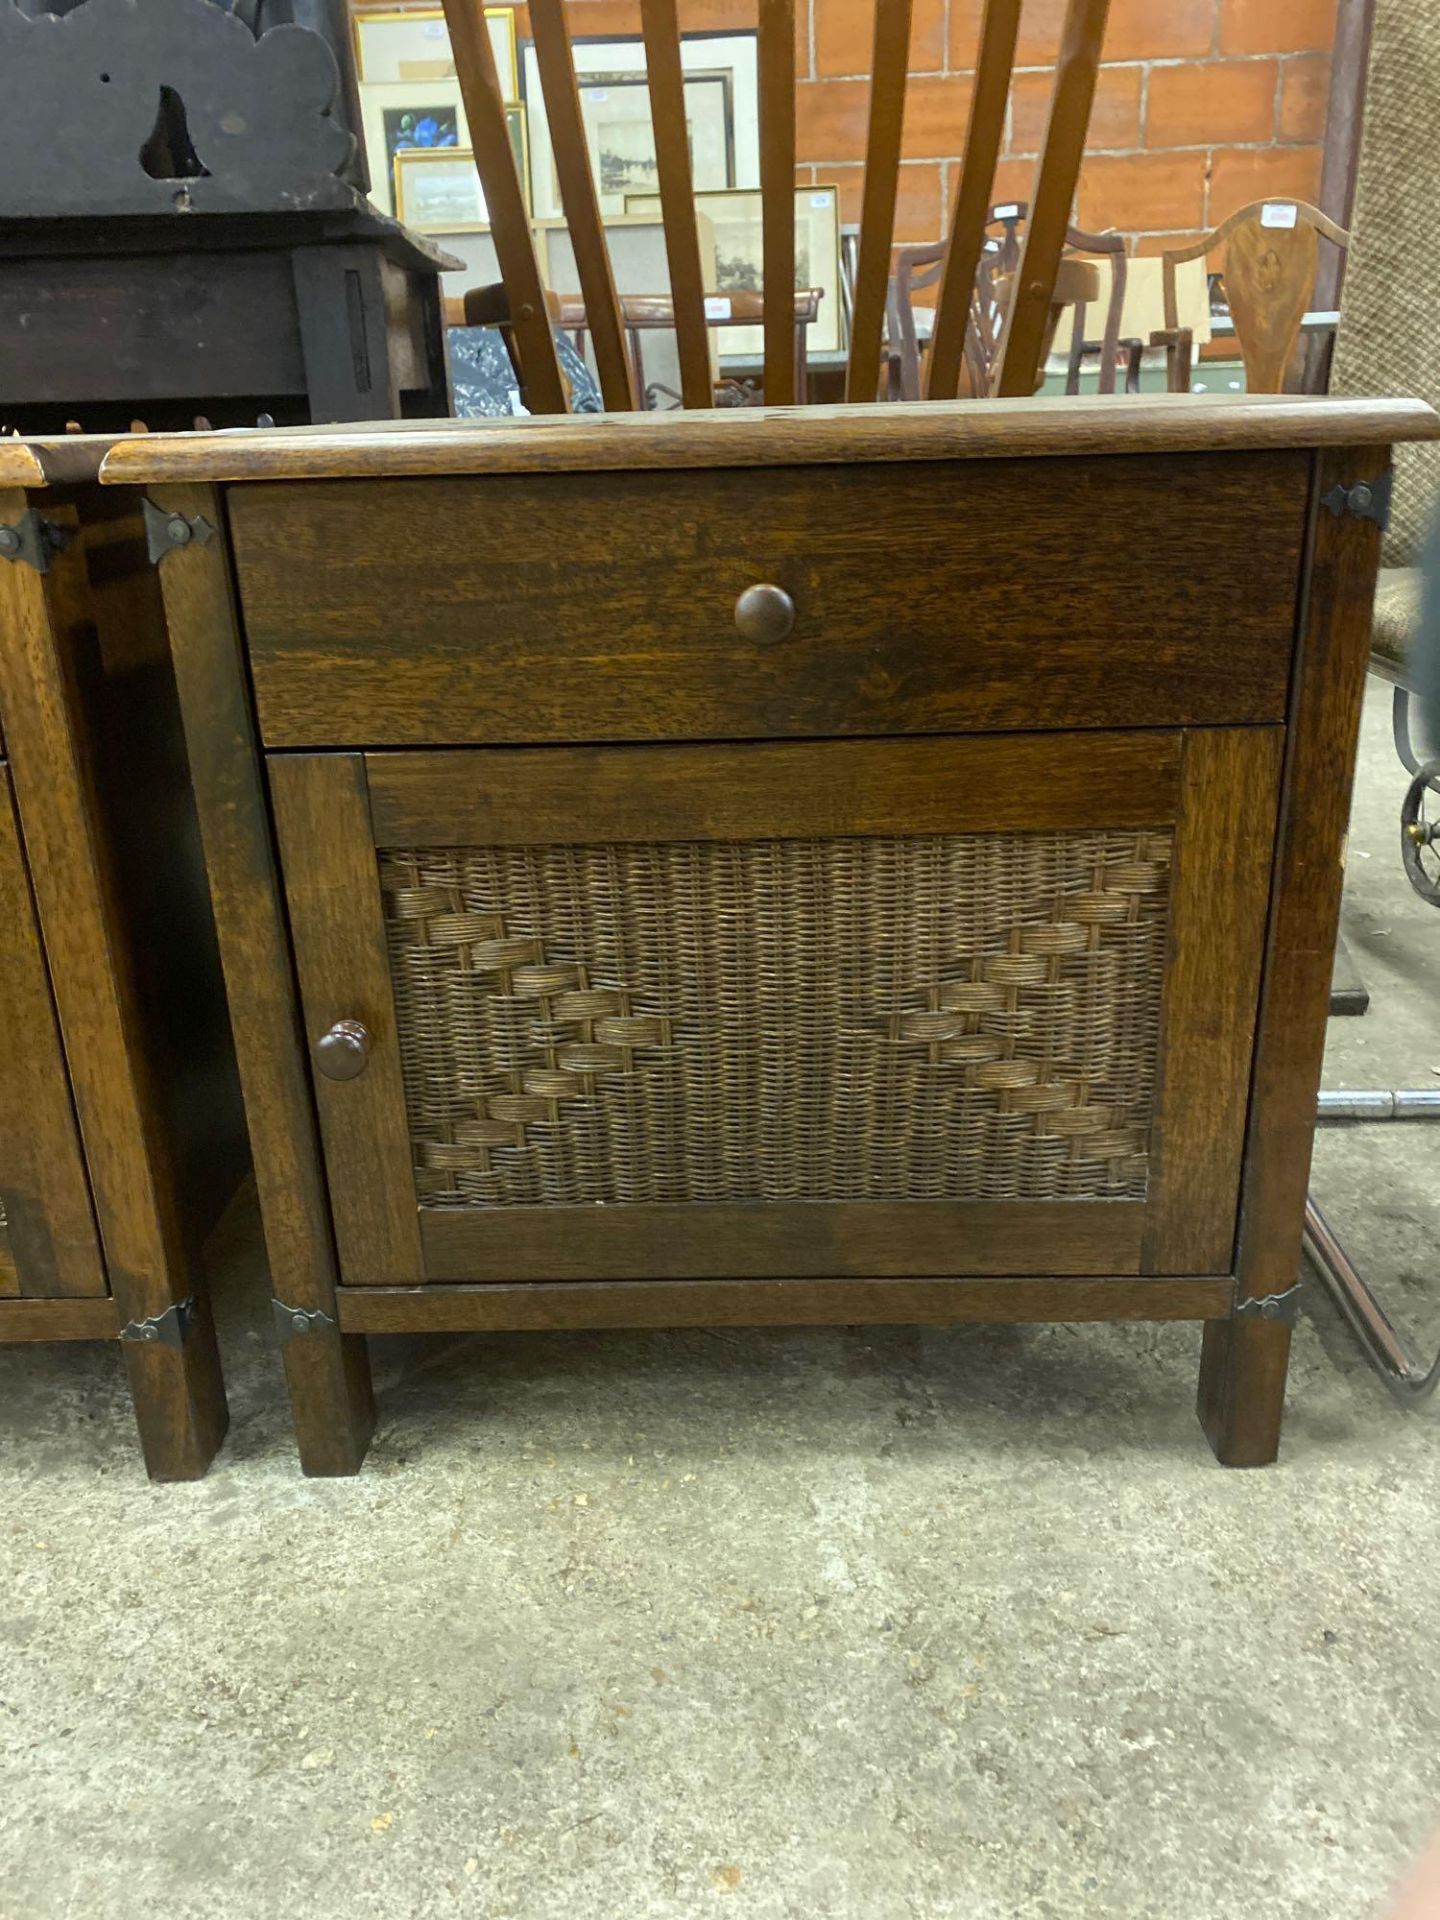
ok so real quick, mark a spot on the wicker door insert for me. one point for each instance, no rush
(49, 1248)
(864, 1008)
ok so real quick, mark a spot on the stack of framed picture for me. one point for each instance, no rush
(423, 169)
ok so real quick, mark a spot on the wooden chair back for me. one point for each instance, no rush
(919, 267)
(1271, 257)
(1029, 315)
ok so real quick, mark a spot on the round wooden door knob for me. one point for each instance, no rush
(344, 1052)
(765, 614)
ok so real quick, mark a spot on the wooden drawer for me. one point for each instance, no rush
(936, 598)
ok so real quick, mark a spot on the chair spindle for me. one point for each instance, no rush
(509, 219)
(1075, 72)
(993, 68)
(581, 202)
(777, 194)
(889, 71)
(660, 24)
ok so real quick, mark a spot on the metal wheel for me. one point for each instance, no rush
(1419, 828)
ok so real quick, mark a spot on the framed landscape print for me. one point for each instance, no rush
(620, 134)
(392, 45)
(737, 219)
(437, 189)
(720, 113)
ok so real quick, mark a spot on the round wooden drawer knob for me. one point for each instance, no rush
(765, 614)
(344, 1052)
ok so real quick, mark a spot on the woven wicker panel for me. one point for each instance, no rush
(971, 1017)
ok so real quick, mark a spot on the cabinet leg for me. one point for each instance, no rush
(330, 1396)
(179, 1398)
(1242, 1389)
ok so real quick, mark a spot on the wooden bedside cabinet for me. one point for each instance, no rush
(121, 1130)
(857, 865)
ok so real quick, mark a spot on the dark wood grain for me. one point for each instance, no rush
(836, 1238)
(776, 1303)
(1242, 1379)
(23, 1321)
(776, 64)
(762, 437)
(1076, 66)
(535, 608)
(994, 63)
(889, 68)
(660, 22)
(328, 1375)
(586, 795)
(50, 1227)
(332, 891)
(126, 717)
(48, 634)
(1230, 782)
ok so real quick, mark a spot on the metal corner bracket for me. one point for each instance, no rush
(1367, 500)
(167, 1329)
(300, 1323)
(1272, 1306)
(32, 540)
(167, 532)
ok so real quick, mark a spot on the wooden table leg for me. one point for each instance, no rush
(1243, 1360)
(49, 619)
(327, 1372)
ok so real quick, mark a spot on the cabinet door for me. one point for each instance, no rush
(946, 1006)
(48, 1243)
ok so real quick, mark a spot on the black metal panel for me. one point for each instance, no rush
(138, 106)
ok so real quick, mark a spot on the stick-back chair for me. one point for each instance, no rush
(1028, 317)
(1269, 269)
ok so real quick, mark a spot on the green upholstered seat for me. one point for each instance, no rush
(1397, 614)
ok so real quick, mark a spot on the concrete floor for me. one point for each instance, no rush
(887, 1624)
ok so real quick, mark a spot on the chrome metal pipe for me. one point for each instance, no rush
(1381, 1342)
(1354, 1103)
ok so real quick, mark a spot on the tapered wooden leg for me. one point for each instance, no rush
(179, 1398)
(1242, 1389)
(328, 1375)
(1243, 1361)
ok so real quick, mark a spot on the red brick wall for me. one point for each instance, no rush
(1201, 104)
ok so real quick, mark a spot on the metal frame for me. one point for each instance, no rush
(1383, 1345)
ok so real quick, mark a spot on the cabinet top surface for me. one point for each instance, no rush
(70, 459)
(746, 437)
